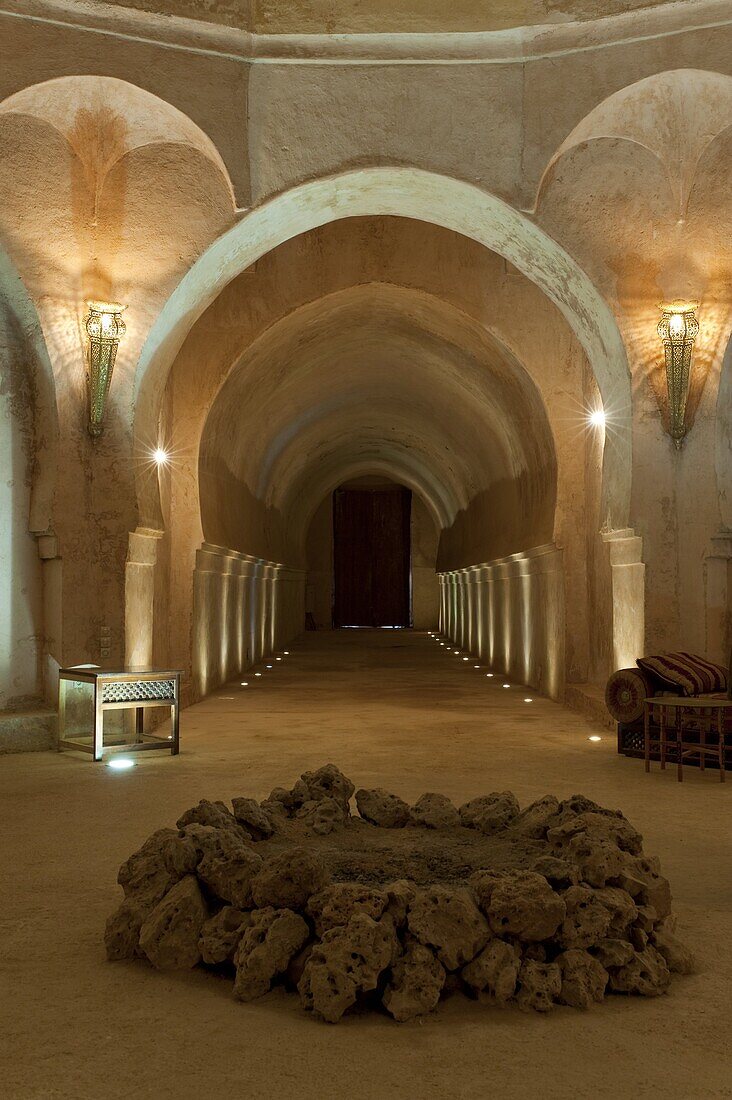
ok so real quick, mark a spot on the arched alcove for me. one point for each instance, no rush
(408, 193)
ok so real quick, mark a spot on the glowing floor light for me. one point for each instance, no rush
(286, 652)
(476, 666)
(466, 658)
(594, 737)
(120, 763)
(528, 700)
(489, 675)
(278, 658)
(507, 685)
(257, 673)
(245, 683)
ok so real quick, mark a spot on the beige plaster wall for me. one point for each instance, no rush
(21, 597)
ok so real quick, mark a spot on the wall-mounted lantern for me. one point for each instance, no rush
(105, 328)
(678, 329)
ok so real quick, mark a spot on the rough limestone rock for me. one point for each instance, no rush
(493, 974)
(613, 952)
(587, 920)
(287, 881)
(145, 875)
(280, 801)
(230, 877)
(335, 904)
(646, 975)
(348, 961)
(326, 782)
(381, 808)
(270, 941)
(221, 933)
(536, 819)
(540, 985)
(490, 813)
(215, 814)
(194, 842)
(434, 811)
(580, 804)
(169, 936)
(450, 922)
(400, 895)
(523, 904)
(559, 873)
(678, 957)
(257, 822)
(598, 827)
(623, 910)
(323, 817)
(642, 878)
(597, 861)
(122, 931)
(416, 984)
(583, 979)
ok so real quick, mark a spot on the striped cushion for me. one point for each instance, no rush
(686, 673)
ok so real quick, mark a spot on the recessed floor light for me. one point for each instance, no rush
(257, 673)
(269, 666)
(244, 684)
(476, 666)
(507, 685)
(594, 737)
(286, 652)
(120, 763)
(489, 675)
(278, 658)
(528, 700)
(466, 658)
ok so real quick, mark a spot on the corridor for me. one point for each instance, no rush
(392, 709)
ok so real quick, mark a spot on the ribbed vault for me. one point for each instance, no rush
(378, 379)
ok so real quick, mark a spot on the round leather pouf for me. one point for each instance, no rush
(626, 689)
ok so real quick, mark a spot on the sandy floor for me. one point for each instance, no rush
(392, 710)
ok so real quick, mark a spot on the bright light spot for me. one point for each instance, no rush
(442, 643)
(245, 683)
(507, 685)
(456, 650)
(268, 666)
(594, 737)
(476, 666)
(257, 673)
(466, 658)
(489, 675)
(597, 418)
(120, 763)
(278, 658)
(286, 652)
(528, 700)
(161, 456)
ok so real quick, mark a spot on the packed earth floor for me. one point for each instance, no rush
(392, 710)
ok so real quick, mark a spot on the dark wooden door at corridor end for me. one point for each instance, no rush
(371, 557)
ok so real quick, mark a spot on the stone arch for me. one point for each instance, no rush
(420, 195)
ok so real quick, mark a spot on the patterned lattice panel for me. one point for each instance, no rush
(138, 691)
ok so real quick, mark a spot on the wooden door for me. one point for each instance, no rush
(371, 557)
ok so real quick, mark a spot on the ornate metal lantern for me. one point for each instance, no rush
(678, 329)
(105, 328)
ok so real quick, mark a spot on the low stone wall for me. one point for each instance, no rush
(510, 614)
(401, 905)
(244, 608)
